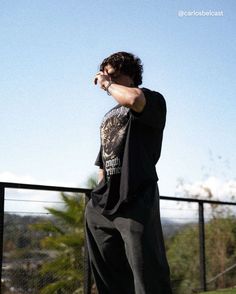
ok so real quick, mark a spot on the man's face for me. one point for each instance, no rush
(118, 77)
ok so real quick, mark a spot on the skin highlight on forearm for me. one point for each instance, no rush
(101, 175)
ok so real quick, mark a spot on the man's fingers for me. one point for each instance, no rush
(101, 76)
(96, 77)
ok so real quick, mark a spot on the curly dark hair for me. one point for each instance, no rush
(127, 64)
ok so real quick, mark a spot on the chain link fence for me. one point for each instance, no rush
(43, 243)
(44, 251)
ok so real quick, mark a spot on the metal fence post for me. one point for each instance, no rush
(87, 268)
(2, 198)
(202, 253)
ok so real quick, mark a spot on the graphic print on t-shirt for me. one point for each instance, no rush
(113, 133)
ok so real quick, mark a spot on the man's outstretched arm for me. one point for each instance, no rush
(131, 97)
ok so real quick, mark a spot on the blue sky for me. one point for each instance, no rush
(50, 110)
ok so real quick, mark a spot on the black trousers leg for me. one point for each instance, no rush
(127, 250)
(141, 230)
(109, 263)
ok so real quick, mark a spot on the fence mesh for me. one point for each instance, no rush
(44, 248)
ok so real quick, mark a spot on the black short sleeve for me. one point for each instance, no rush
(154, 112)
(99, 161)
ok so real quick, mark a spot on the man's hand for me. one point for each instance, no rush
(102, 79)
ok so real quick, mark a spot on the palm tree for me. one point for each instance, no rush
(64, 240)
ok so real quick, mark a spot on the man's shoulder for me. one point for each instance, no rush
(153, 93)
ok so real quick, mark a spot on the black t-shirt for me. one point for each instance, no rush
(130, 148)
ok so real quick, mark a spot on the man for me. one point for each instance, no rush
(123, 227)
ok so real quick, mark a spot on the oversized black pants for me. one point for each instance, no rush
(126, 250)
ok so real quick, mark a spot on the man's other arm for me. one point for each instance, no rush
(101, 175)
